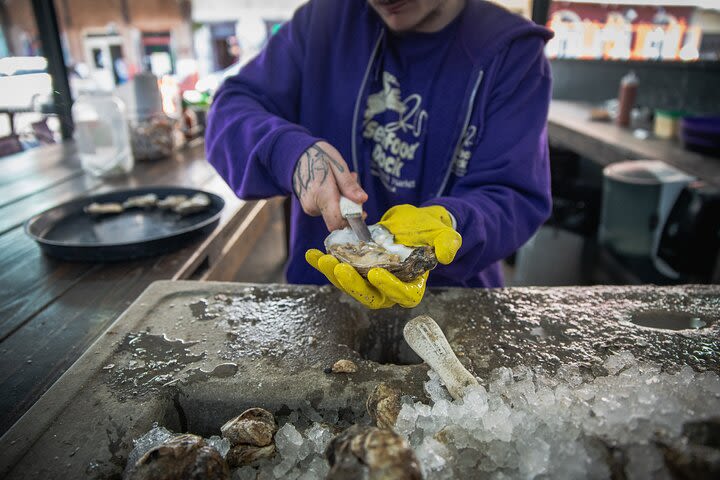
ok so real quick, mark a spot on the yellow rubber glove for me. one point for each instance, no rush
(417, 226)
(432, 226)
(382, 289)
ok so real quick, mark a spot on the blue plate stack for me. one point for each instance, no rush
(701, 134)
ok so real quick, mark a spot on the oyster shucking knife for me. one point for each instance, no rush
(424, 336)
(352, 212)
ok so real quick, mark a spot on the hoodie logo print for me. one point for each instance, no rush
(462, 158)
(395, 142)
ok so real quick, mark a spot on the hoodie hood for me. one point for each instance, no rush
(488, 28)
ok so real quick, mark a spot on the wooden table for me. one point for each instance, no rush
(51, 311)
(569, 126)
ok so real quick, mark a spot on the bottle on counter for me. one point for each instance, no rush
(101, 134)
(667, 123)
(626, 98)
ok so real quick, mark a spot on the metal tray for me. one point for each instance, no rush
(68, 233)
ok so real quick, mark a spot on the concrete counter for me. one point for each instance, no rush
(190, 355)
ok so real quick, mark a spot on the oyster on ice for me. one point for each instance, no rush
(183, 456)
(244, 454)
(251, 436)
(255, 426)
(371, 453)
(406, 263)
(383, 405)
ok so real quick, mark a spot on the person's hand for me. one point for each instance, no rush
(431, 226)
(416, 226)
(382, 289)
(321, 175)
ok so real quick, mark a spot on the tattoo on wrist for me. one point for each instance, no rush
(314, 166)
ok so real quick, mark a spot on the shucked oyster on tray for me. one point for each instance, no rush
(406, 263)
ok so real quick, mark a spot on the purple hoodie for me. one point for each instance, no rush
(477, 145)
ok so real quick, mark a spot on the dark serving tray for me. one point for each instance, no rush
(68, 233)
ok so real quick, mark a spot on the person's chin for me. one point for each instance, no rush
(398, 24)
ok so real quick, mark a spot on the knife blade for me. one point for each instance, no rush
(352, 212)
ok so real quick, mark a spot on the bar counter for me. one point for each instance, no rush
(570, 127)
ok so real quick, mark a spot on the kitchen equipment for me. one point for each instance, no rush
(352, 212)
(637, 199)
(69, 233)
(426, 338)
(690, 241)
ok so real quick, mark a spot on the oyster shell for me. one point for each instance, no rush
(141, 201)
(383, 405)
(171, 201)
(103, 208)
(255, 426)
(406, 263)
(371, 453)
(344, 366)
(184, 456)
(241, 455)
(194, 204)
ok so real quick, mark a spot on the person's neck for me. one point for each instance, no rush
(441, 16)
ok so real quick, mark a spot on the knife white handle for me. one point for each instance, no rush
(349, 208)
(424, 336)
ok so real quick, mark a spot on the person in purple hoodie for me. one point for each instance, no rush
(437, 108)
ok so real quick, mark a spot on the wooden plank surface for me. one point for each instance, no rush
(29, 163)
(39, 279)
(50, 310)
(37, 354)
(569, 126)
(30, 280)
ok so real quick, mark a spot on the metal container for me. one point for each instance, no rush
(637, 198)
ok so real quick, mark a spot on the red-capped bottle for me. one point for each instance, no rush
(626, 98)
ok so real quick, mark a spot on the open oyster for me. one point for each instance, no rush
(171, 202)
(97, 209)
(141, 201)
(194, 204)
(406, 263)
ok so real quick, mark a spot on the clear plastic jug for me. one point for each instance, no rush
(102, 135)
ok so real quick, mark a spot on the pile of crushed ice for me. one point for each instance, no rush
(525, 424)
(300, 450)
(528, 424)
(300, 455)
